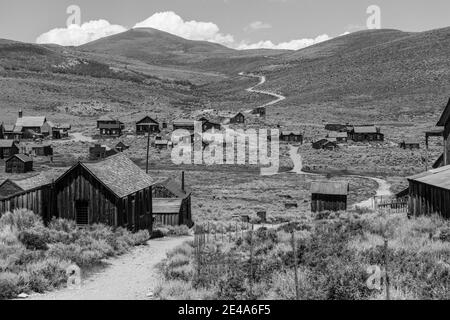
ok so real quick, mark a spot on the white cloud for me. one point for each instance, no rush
(290, 45)
(257, 25)
(76, 35)
(170, 22)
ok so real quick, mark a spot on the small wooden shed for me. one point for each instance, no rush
(8, 148)
(147, 125)
(238, 118)
(291, 136)
(19, 163)
(329, 196)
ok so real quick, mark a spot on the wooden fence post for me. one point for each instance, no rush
(386, 272)
(251, 261)
(297, 292)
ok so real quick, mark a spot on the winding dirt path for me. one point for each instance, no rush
(128, 277)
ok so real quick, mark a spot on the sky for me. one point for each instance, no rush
(240, 24)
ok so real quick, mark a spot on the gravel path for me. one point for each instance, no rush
(128, 277)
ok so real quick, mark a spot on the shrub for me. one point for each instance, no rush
(46, 274)
(35, 238)
(20, 220)
(8, 285)
(141, 237)
(181, 290)
(158, 233)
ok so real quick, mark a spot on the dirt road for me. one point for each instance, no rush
(128, 277)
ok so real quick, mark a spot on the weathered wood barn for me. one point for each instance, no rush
(409, 144)
(10, 132)
(41, 150)
(237, 119)
(147, 125)
(121, 146)
(365, 134)
(110, 127)
(31, 124)
(114, 192)
(8, 148)
(340, 137)
(444, 121)
(329, 196)
(324, 144)
(172, 203)
(98, 152)
(19, 163)
(291, 136)
(429, 193)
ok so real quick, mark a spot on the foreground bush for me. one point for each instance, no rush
(34, 258)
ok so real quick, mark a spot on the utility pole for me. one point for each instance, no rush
(297, 292)
(148, 148)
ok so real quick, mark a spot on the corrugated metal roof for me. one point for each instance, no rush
(30, 122)
(439, 177)
(330, 187)
(166, 206)
(121, 175)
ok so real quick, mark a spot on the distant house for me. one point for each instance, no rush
(444, 122)
(114, 191)
(41, 150)
(110, 127)
(8, 148)
(409, 145)
(365, 134)
(260, 111)
(98, 152)
(60, 131)
(183, 124)
(162, 144)
(325, 144)
(237, 119)
(121, 147)
(19, 163)
(209, 125)
(329, 196)
(336, 127)
(340, 137)
(47, 128)
(172, 203)
(291, 136)
(11, 133)
(147, 125)
(30, 124)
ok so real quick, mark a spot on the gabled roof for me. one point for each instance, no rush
(368, 129)
(439, 177)
(8, 127)
(288, 133)
(119, 174)
(21, 157)
(330, 187)
(30, 122)
(184, 122)
(175, 188)
(445, 115)
(6, 143)
(147, 120)
(335, 134)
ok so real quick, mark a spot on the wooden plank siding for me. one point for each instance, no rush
(326, 202)
(428, 200)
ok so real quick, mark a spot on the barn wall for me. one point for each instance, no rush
(428, 200)
(320, 202)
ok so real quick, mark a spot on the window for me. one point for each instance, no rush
(82, 212)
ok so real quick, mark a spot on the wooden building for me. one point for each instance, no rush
(110, 127)
(336, 127)
(291, 136)
(340, 137)
(172, 203)
(260, 111)
(329, 196)
(209, 125)
(121, 146)
(115, 192)
(30, 124)
(444, 121)
(325, 144)
(409, 144)
(429, 193)
(19, 163)
(237, 119)
(184, 124)
(162, 144)
(8, 148)
(41, 150)
(147, 125)
(99, 152)
(365, 134)
(10, 132)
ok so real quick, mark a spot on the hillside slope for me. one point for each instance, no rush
(371, 75)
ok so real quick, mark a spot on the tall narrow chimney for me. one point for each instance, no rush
(182, 181)
(20, 113)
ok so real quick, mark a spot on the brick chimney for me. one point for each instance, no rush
(20, 113)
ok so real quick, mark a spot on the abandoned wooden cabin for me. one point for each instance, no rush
(444, 121)
(110, 127)
(329, 196)
(99, 152)
(147, 125)
(10, 132)
(366, 134)
(260, 111)
(8, 148)
(172, 203)
(31, 124)
(340, 137)
(211, 126)
(429, 193)
(61, 131)
(325, 144)
(41, 150)
(409, 144)
(238, 118)
(184, 124)
(121, 146)
(291, 136)
(19, 163)
(162, 144)
(336, 127)
(114, 191)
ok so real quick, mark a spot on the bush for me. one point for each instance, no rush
(20, 220)
(8, 285)
(181, 290)
(46, 274)
(35, 238)
(141, 237)
(158, 234)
